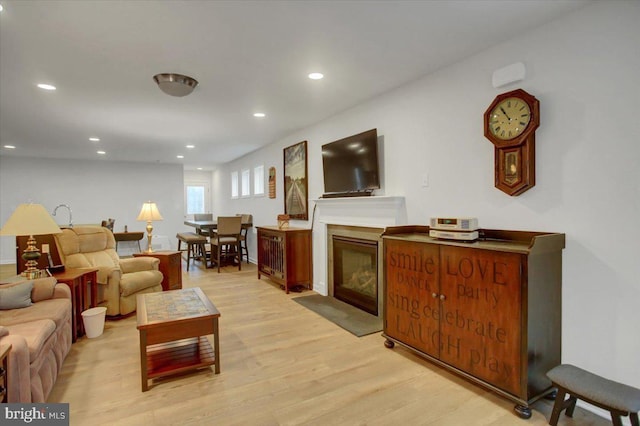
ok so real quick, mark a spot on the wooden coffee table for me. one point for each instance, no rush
(173, 327)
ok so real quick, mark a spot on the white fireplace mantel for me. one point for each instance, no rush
(372, 212)
(375, 211)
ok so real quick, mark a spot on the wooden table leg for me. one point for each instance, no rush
(74, 309)
(143, 360)
(82, 293)
(93, 277)
(216, 344)
(79, 307)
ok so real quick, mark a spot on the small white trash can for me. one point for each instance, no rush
(93, 320)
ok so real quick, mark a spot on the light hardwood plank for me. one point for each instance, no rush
(281, 364)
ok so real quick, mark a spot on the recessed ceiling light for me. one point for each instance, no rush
(101, 152)
(46, 86)
(199, 168)
(1, 8)
(10, 147)
(94, 139)
(190, 146)
(316, 76)
(260, 114)
(179, 156)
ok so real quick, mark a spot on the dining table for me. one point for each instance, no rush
(205, 227)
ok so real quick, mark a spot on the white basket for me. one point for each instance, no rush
(93, 320)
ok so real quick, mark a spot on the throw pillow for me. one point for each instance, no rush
(18, 296)
(43, 289)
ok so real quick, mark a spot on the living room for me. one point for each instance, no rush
(582, 67)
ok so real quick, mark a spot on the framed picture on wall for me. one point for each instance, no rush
(295, 181)
(272, 182)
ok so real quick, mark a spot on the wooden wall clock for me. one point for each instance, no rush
(510, 124)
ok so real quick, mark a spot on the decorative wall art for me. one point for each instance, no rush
(295, 181)
(272, 182)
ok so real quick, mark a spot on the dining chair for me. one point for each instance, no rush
(225, 242)
(202, 216)
(247, 219)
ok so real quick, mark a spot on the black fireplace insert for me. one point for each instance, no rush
(355, 272)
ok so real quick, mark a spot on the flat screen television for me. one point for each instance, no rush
(350, 165)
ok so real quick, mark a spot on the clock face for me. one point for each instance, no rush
(509, 118)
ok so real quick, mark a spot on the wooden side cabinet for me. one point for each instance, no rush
(4, 368)
(284, 255)
(489, 310)
(170, 266)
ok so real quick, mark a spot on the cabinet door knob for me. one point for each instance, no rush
(443, 297)
(434, 295)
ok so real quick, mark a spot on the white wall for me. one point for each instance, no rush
(585, 71)
(95, 190)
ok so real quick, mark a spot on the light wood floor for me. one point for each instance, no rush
(281, 364)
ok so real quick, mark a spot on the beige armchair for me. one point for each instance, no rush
(120, 280)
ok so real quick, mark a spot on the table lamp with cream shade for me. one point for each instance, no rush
(149, 213)
(30, 219)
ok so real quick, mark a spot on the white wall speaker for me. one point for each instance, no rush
(508, 74)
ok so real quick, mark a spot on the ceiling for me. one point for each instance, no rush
(248, 56)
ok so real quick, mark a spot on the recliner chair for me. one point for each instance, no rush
(119, 280)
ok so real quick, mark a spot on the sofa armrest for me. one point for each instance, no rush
(61, 291)
(18, 374)
(137, 264)
(107, 274)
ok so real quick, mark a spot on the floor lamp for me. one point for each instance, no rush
(30, 219)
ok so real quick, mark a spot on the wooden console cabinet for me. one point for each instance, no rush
(284, 255)
(488, 310)
(4, 368)
(170, 266)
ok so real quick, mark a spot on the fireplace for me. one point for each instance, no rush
(360, 218)
(355, 271)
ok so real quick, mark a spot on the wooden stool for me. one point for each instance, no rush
(617, 398)
(193, 241)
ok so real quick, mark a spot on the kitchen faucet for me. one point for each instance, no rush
(68, 208)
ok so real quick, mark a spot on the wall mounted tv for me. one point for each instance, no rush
(350, 165)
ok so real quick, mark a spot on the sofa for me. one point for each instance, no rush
(119, 280)
(39, 334)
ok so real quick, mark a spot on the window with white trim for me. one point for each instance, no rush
(196, 198)
(234, 184)
(258, 180)
(246, 183)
